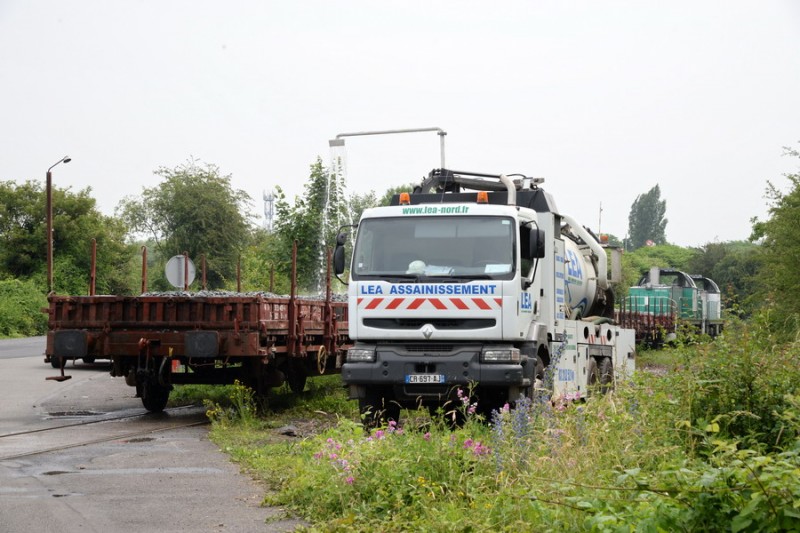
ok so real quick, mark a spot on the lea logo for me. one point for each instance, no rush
(526, 302)
(574, 265)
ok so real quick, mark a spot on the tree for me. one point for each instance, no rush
(779, 275)
(646, 221)
(194, 209)
(76, 221)
(386, 199)
(733, 266)
(261, 260)
(313, 221)
(637, 263)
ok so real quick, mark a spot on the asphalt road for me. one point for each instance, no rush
(84, 456)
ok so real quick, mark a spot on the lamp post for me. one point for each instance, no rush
(49, 188)
(339, 140)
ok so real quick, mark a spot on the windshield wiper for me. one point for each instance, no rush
(391, 276)
(467, 277)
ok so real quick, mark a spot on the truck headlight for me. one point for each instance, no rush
(500, 355)
(361, 355)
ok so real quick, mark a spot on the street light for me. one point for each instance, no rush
(49, 188)
(339, 140)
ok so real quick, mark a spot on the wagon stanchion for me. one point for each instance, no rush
(185, 270)
(62, 377)
(93, 271)
(327, 311)
(291, 338)
(203, 269)
(144, 269)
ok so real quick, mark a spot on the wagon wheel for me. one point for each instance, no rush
(322, 360)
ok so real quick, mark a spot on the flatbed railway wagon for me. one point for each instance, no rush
(155, 341)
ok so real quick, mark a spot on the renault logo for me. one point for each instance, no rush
(427, 330)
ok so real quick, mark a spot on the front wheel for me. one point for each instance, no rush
(606, 371)
(592, 376)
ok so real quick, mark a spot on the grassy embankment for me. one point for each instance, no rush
(709, 444)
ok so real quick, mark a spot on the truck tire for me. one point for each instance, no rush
(538, 375)
(55, 361)
(592, 376)
(606, 370)
(154, 396)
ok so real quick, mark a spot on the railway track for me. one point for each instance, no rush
(21, 438)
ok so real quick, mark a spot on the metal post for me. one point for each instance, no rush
(49, 231)
(49, 216)
(239, 275)
(93, 272)
(144, 269)
(339, 141)
(185, 270)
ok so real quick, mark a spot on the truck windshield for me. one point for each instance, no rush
(460, 247)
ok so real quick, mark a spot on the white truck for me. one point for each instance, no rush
(492, 291)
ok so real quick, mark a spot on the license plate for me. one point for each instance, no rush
(425, 378)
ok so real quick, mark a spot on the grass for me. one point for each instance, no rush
(661, 453)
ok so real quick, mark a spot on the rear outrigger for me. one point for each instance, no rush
(492, 291)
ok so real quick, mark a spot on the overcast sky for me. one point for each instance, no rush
(602, 99)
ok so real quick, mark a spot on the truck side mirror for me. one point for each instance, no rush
(536, 244)
(338, 254)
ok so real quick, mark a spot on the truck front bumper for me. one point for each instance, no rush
(455, 366)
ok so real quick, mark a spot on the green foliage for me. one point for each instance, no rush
(360, 202)
(646, 220)
(637, 263)
(242, 407)
(21, 303)
(264, 268)
(386, 199)
(734, 267)
(313, 222)
(196, 210)
(76, 221)
(741, 382)
(780, 247)
(613, 240)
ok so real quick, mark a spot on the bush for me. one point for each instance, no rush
(741, 382)
(21, 304)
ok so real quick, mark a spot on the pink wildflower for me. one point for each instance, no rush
(480, 449)
(349, 480)
(427, 436)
